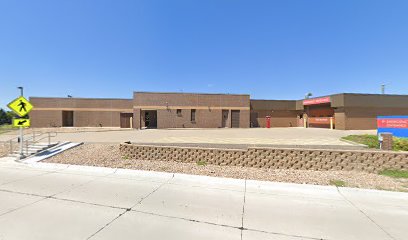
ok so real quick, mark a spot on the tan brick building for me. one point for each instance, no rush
(283, 113)
(351, 111)
(190, 110)
(197, 110)
(145, 110)
(79, 112)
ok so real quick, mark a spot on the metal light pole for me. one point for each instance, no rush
(21, 91)
(307, 96)
(382, 88)
(21, 129)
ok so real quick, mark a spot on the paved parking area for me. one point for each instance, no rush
(46, 201)
(251, 136)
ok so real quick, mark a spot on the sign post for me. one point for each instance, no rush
(21, 142)
(21, 107)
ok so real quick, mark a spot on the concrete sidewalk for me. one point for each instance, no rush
(48, 201)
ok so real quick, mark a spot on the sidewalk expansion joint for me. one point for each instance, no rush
(226, 226)
(23, 193)
(365, 214)
(129, 209)
(155, 190)
(24, 206)
(106, 225)
(243, 208)
(25, 178)
(79, 185)
(44, 197)
(88, 203)
(286, 235)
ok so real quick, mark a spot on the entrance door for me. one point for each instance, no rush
(319, 115)
(235, 118)
(225, 114)
(125, 119)
(300, 121)
(67, 118)
(254, 119)
(150, 119)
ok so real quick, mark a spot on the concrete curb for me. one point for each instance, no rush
(142, 173)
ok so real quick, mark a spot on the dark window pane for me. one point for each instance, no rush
(193, 115)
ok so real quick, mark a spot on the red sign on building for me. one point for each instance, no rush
(316, 101)
(392, 123)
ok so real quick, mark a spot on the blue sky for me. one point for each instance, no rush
(269, 49)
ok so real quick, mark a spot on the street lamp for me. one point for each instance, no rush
(21, 91)
(307, 96)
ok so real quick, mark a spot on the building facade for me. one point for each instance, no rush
(190, 110)
(351, 111)
(79, 112)
(283, 113)
(196, 110)
(145, 110)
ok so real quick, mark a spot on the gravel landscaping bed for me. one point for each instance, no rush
(107, 155)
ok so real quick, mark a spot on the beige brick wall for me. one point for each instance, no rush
(279, 118)
(301, 159)
(88, 112)
(41, 118)
(208, 109)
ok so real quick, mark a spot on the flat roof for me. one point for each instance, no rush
(378, 94)
(282, 100)
(234, 94)
(360, 94)
(86, 98)
(193, 93)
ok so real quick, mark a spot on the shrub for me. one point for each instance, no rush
(338, 183)
(400, 144)
(370, 140)
(394, 173)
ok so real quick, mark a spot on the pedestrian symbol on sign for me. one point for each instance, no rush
(20, 106)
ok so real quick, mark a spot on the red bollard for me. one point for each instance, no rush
(268, 121)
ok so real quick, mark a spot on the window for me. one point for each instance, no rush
(178, 112)
(193, 115)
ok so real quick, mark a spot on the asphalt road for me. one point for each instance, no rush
(45, 201)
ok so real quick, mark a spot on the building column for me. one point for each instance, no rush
(136, 118)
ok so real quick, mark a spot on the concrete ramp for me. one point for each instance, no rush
(51, 152)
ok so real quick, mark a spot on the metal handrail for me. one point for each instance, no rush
(34, 138)
(49, 136)
(16, 139)
(34, 141)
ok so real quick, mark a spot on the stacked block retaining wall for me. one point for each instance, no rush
(268, 158)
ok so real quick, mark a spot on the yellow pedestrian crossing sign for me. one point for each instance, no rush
(20, 106)
(20, 122)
